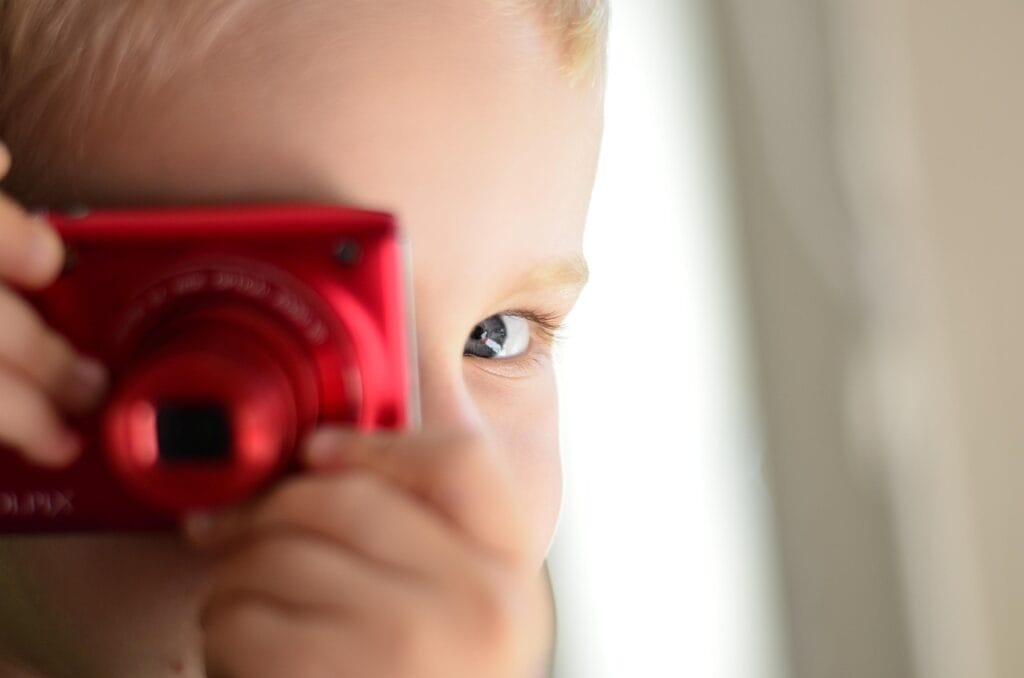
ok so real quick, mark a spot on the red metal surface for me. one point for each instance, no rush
(249, 306)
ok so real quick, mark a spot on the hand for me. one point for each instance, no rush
(401, 556)
(40, 372)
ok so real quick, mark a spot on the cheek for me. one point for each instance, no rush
(521, 416)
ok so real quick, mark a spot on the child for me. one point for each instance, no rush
(396, 555)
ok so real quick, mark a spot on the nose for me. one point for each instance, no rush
(445, 400)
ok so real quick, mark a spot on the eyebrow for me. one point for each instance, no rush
(571, 272)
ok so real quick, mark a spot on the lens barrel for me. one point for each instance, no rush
(211, 406)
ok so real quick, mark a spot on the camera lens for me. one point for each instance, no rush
(210, 408)
(193, 433)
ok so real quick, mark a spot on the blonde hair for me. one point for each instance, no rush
(53, 52)
(581, 28)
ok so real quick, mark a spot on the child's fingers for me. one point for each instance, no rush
(257, 637)
(30, 347)
(29, 423)
(357, 510)
(5, 160)
(31, 251)
(305, 573)
(461, 477)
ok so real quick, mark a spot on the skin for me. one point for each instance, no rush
(459, 120)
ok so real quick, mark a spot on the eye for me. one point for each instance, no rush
(502, 335)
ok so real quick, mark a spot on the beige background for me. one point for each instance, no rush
(877, 146)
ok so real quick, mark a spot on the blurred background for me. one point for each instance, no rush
(789, 393)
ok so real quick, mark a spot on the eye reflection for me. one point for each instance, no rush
(502, 335)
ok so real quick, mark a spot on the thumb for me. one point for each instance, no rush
(5, 160)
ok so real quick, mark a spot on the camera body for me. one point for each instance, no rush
(230, 333)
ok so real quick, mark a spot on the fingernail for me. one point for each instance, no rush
(45, 250)
(199, 526)
(90, 376)
(64, 449)
(326, 445)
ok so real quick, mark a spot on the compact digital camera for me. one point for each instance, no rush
(229, 332)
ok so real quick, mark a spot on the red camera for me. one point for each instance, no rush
(230, 332)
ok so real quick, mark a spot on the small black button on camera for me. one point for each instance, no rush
(348, 253)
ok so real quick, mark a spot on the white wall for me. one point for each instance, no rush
(663, 564)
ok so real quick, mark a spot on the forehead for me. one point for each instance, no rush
(452, 115)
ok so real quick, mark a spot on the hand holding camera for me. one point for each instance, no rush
(230, 333)
(400, 556)
(42, 377)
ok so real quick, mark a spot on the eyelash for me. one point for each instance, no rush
(548, 325)
(548, 329)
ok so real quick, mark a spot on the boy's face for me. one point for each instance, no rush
(455, 118)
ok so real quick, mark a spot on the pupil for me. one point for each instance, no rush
(493, 330)
(488, 337)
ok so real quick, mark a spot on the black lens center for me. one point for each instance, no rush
(193, 432)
